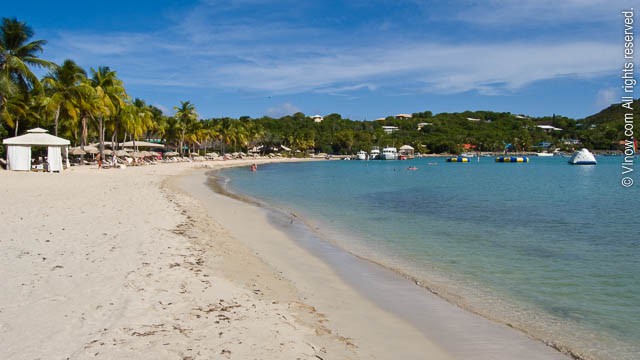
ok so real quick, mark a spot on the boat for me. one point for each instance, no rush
(361, 155)
(389, 153)
(544, 154)
(375, 153)
(583, 157)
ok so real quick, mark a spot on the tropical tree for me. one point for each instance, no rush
(138, 119)
(108, 98)
(17, 55)
(186, 116)
(64, 92)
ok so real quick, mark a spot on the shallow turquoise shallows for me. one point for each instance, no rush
(549, 248)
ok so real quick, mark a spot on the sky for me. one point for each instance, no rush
(363, 59)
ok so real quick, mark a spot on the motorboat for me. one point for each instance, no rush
(582, 157)
(375, 153)
(361, 155)
(544, 154)
(389, 153)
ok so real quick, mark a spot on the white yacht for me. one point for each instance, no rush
(544, 154)
(361, 155)
(389, 153)
(583, 157)
(375, 153)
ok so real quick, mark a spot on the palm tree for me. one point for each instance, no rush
(62, 86)
(110, 96)
(17, 55)
(138, 119)
(7, 88)
(186, 115)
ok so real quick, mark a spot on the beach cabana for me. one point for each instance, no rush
(19, 150)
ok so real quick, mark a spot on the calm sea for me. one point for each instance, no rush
(549, 248)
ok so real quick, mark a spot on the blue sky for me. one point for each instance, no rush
(364, 59)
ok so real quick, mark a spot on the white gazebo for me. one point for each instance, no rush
(406, 150)
(19, 150)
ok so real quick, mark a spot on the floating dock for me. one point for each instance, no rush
(512, 159)
(458, 159)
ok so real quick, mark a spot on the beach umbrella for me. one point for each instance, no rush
(171, 153)
(136, 154)
(107, 152)
(89, 149)
(77, 151)
(122, 153)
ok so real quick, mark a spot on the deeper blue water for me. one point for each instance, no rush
(550, 248)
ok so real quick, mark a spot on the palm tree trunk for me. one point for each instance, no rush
(16, 128)
(101, 129)
(55, 130)
(85, 132)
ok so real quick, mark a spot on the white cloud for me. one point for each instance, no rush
(279, 58)
(524, 12)
(606, 97)
(163, 108)
(282, 110)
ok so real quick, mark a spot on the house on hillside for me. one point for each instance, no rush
(403, 116)
(423, 124)
(317, 118)
(390, 129)
(548, 128)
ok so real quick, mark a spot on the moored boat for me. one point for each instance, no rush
(583, 157)
(375, 153)
(389, 153)
(361, 155)
(544, 154)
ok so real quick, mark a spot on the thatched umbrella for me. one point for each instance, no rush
(121, 153)
(89, 149)
(77, 151)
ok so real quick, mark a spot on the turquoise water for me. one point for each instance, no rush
(549, 248)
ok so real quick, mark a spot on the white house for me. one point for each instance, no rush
(317, 118)
(423, 124)
(548, 128)
(390, 129)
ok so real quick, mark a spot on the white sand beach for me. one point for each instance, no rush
(148, 263)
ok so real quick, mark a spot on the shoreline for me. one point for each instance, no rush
(165, 272)
(398, 274)
(328, 254)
